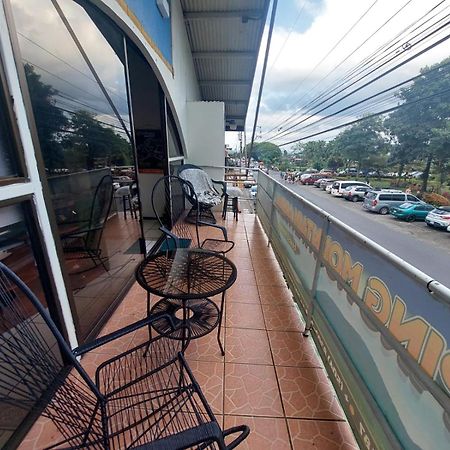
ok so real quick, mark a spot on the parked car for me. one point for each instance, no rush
(382, 201)
(411, 211)
(305, 175)
(327, 183)
(249, 182)
(439, 218)
(338, 187)
(355, 193)
(319, 181)
(311, 179)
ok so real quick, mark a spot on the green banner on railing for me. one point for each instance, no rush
(382, 334)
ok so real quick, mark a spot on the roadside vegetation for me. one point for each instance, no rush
(408, 148)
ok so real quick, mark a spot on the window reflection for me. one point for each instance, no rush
(8, 166)
(16, 252)
(83, 126)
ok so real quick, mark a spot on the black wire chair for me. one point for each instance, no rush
(170, 198)
(84, 241)
(207, 196)
(144, 398)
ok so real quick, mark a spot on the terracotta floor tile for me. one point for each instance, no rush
(205, 348)
(210, 378)
(266, 433)
(270, 278)
(247, 346)
(243, 263)
(242, 294)
(42, 434)
(91, 361)
(321, 435)
(264, 263)
(239, 252)
(116, 346)
(238, 235)
(275, 295)
(262, 252)
(246, 277)
(307, 393)
(251, 390)
(283, 318)
(293, 349)
(244, 315)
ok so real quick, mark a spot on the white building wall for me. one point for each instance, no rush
(206, 136)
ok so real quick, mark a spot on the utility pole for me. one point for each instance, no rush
(240, 148)
(263, 75)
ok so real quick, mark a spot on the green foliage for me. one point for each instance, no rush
(91, 145)
(362, 142)
(417, 134)
(75, 143)
(317, 153)
(267, 152)
(50, 120)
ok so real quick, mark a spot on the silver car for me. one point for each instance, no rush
(382, 201)
(439, 218)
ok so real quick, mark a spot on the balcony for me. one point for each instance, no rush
(271, 377)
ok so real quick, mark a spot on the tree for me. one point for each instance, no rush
(50, 120)
(404, 146)
(315, 153)
(265, 151)
(89, 144)
(361, 141)
(440, 146)
(425, 109)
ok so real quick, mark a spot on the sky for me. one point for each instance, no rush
(316, 43)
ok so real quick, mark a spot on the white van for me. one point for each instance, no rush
(338, 187)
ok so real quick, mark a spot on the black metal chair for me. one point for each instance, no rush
(170, 197)
(144, 398)
(207, 195)
(84, 240)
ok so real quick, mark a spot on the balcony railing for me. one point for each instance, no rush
(381, 326)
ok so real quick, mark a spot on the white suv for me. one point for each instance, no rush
(355, 193)
(338, 187)
(439, 218)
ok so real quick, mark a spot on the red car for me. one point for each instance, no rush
(312, 178)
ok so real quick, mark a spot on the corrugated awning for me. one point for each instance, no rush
(225, 37)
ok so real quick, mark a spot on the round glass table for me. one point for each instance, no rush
(186, 279)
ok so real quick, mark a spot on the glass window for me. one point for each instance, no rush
(385, 197)
(173, 140)
(398, 197)
(83, 125)
(8, 149)
(16, 252)
(412, 198)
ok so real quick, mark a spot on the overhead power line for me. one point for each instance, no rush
(366, 63)
(263, 74)
(386, 111)
(367, 99)
(364, 85)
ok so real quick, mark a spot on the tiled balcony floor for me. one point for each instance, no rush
(270, 378)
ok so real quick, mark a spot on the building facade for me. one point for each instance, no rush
(102, 97)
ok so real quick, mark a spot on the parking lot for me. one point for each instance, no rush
(426, 248)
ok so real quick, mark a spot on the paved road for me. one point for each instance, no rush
(421, 246)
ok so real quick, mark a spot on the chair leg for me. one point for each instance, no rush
(235, 202)
(124, 206)
(219, 328)
(149, 325)
(225, 206)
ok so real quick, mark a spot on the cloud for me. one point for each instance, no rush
(300, 69)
